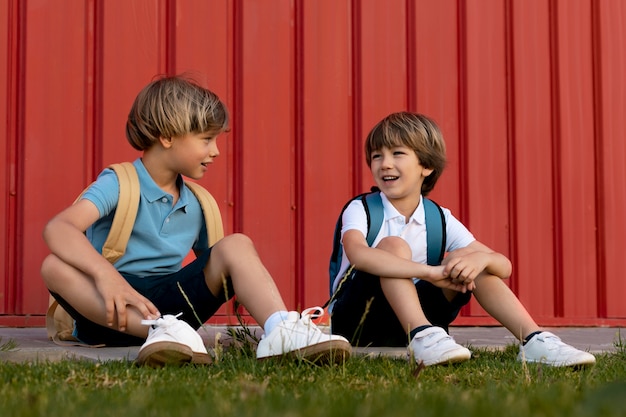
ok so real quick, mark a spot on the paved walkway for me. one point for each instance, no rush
(32, 344)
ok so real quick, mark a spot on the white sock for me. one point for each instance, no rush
(273, 320)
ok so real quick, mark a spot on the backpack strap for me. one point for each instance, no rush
(126, 212)
(337, 253)
(211, 211)
(435, 232)
(375, 215)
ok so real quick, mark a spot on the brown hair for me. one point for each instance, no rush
(174, 106)
(414, 131)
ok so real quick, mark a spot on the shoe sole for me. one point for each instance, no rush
(325, 353)
(159, 354)
(576, 365)
(454, 358)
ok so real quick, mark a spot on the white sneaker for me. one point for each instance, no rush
(172, 342)
(548, 348)
(300, 337)
(434, 346)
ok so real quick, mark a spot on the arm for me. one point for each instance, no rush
(65, 237)
(386, 264)
(464, 265)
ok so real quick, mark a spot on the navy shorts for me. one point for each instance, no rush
(380, 326)
(165, 294)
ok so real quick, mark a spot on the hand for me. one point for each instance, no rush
(439, 277)
(118, 295)
(463, 266)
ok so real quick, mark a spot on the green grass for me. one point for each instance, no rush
(491, 384)
(6, 346)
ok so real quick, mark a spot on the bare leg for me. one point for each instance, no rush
(236, 257)
(401, 293)
(500, 302)
(80, 291)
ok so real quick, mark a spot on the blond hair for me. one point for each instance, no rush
(174, 106)
(414, 131)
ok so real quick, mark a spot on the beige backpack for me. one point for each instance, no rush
(59, 323)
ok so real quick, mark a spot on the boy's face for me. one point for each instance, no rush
(398, 173)
(192, 153)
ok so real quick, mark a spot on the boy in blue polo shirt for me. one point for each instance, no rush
(175, 123)
(394, 298)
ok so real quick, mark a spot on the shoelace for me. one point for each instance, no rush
(160, 321)
(305, 318)
(311, 313)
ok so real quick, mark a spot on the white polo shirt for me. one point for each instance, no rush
(394, 224)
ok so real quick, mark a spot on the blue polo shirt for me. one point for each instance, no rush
(163, 234)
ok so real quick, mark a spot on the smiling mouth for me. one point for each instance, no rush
(390, 178)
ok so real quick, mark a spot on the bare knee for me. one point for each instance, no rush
(234, 242)
(233, 248)
(395, 245)
(50, 270)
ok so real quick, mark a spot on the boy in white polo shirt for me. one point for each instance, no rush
(175, 123)
(393, 298)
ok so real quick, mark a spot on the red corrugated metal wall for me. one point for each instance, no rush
(530, 94)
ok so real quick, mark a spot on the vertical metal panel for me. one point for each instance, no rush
(52, 162)
(8, 49)
(325, 117)
(574, 161)
(610, 58)
(531, 157)
(530, 96)
(485, 143)
(265, 135)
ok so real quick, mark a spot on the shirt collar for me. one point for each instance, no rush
(418, 216)
(152, 192)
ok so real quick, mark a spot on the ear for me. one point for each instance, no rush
(427, 171)
(165, 142)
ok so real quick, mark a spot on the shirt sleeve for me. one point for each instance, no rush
(354, 218)
(457, 235)
(104, 192)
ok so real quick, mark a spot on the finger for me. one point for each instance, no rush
(460, 288)
(469, 277)
(121, 315)
(450, 264)
(456, 286)
(454, 274)
(110, 311)
(153, 310)
(147, 309)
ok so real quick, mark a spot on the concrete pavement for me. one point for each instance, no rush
(32, 344)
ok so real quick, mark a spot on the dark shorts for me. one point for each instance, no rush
(164, 292)
(380, 326)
